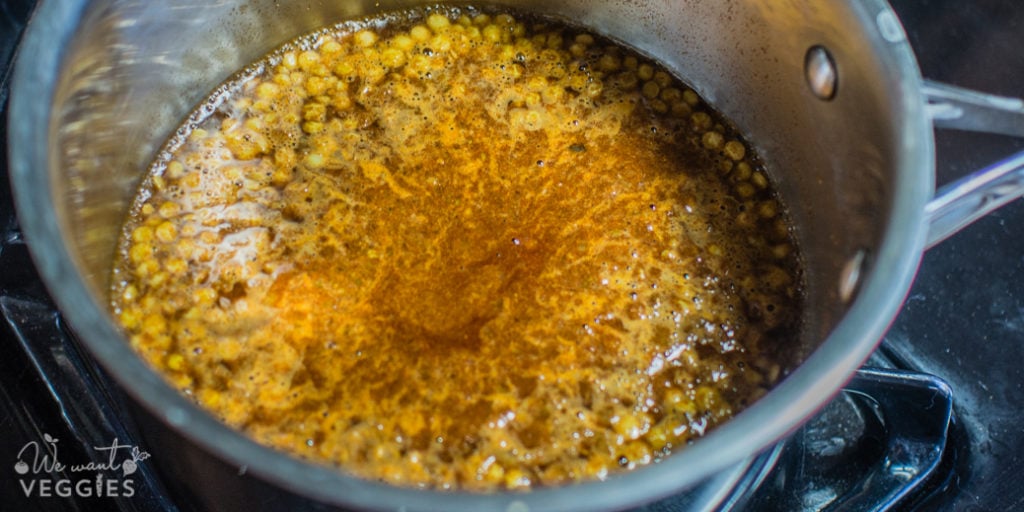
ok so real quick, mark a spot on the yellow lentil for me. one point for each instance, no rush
(735, 150)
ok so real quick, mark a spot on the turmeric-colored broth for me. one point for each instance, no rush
(461, 249)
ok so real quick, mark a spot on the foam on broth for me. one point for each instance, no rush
(461, 248)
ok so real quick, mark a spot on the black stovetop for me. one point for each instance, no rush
(963, 322)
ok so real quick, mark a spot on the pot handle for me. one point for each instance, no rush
(964, 201)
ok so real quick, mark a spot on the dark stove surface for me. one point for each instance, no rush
(963, 321)
(964, 317)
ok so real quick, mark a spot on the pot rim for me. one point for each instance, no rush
(794, 400)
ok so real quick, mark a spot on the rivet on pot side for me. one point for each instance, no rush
(820, 72)
(849, 278)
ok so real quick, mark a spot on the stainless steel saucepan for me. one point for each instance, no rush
(828, 91)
